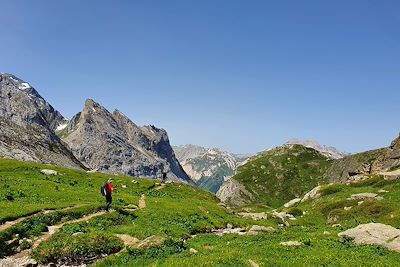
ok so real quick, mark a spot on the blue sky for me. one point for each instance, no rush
(240, 75)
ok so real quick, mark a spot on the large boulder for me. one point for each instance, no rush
(375, 234)
(313, 194)
(292, 202)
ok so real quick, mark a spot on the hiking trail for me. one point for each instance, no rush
(9, 224)
(142, 202)
(23, 258)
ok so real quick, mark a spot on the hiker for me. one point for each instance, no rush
(107, 189)
(164, 177)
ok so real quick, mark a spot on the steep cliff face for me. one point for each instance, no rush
(27, 124)
(21, 104)
(111, 142)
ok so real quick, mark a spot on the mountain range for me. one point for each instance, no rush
(32, 130)
(289, 171)
(208, 167)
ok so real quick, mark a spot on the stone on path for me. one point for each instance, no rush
(142, 202)
(152, 241)
(253, 263)
(128, 240)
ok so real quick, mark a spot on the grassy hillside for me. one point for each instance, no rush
(176, 221)
(283, 173)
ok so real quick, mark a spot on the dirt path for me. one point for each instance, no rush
(22, 258)
(9, 224)
(160, 187)
(142, 202)
(55, 228)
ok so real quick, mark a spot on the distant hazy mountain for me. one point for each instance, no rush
(208, 167)
(330, 152)
(111, 142)
(27, 125)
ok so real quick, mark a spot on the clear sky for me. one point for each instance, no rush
(241, 75)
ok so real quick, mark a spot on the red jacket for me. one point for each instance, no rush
(109, 188)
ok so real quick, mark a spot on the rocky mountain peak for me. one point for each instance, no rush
(28, 123)
(111, 142)
(22, 104)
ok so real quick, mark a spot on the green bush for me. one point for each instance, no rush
(296, 212)
(331, 189)
(368, 182)
(340, 204)
(77, 249)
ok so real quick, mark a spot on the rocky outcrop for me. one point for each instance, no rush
(234, 193)
(28, 123)
(112, 143)
(209, 168)
(355, 167)
(375, 234)
(358, 166)
(390, 160)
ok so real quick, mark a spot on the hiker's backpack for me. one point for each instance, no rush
(103, 190)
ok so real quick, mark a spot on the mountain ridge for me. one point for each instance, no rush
(111, 142)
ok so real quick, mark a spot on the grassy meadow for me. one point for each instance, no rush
(181, 218)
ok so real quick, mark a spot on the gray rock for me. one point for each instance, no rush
(28, 125)
(49, 172)
(237, 231)
(112, 143)
(234, 193)
(375, 234)
(192, 250)
(78, 234)
(363, 196)
(292, 202)
(313, 194)
(283, 216)
(254, 216)
(291, 244)
(256, 229)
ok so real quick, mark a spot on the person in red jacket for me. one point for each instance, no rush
(108, 193)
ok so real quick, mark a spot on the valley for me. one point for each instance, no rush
(298, 204)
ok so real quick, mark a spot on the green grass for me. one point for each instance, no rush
(281, 174)
(176, 212)
(265, 250)
(24, 190)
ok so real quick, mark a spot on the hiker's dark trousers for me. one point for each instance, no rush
(108, 201)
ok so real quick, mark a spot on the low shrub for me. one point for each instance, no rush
(77, 249)
(331, 189)
(296, 212)
(368, 182)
